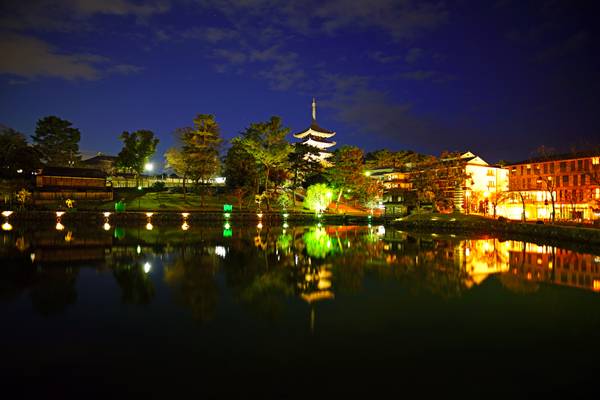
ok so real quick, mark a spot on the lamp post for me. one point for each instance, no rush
(550, 189)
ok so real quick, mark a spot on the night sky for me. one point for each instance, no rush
(496, 78)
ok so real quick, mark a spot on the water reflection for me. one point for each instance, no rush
(266, 268)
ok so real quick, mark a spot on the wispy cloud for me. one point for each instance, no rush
(383, 58)
(28, 57)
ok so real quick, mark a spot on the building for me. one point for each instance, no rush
(317, 137)
(398, 197)
(569, 184)
(60, 183)
(102, 162)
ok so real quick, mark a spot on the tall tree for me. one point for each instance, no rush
(266, 142)
(304, 165)
(201, 150)
(138, 148)
(16, 155)
(240, 171)
(347, 171)
(57, 142)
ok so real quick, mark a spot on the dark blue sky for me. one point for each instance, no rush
(496, 78)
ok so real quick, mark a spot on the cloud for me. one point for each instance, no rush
(381, 57)
(211, 35)
(30, 58)
(124, 69)
(426, 75)
(70, 15)
(414, 55)
(569, 46)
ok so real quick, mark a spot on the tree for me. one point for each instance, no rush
(177, 162)
(201, 150)
(318, 197)
(240, 171)
(266, 142)
(57, 142)
(303, 165)
(17, 158)
(138, 148)
(346, 173)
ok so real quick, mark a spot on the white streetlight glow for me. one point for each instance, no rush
(149, 167)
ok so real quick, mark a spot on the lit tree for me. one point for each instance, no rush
(318, 197)
(138, 148)
(240, 171)
(266, 142)
(57, 142)
(346, 173)
(303, 165)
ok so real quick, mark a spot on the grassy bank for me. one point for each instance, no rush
(477, 224)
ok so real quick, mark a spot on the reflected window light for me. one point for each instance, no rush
(147, 267)
(285, 225)
(185, 226)
(106, 226)
(60, 213)
(185, 215)
(59, 226)
(220, 251)
(7, 213)
(259, 215)
(149, 226)
(32, 257)
(260, 225)
(138, 249)
(6, 226)
(106, 214)
(149, 214)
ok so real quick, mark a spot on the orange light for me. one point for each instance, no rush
(596, 285)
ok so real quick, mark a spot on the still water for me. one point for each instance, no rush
(293, 311)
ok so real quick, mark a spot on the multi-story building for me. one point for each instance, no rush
(567, 183)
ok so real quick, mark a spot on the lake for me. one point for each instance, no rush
(292, 311)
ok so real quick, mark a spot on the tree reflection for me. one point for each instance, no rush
(136, 285)
(192, 278)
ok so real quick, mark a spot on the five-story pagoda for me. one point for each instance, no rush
(317, 137)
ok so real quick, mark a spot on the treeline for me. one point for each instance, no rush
(260, 165)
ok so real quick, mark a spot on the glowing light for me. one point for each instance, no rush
(138, 249)
(285, 225)
(227, 207)
(381, 230)
(329, 194)
(185, 226)
(260, 225)
(149, 167)
(596, 285)
(6, 226)
(139, 188)
(32, 257)
(324, 284)
(59, 226)
(221, 251)
(7, 213)
(285, 215)
(69, 236)
(259, 215)
(467, 252)
(60, 213)
(149, 226)
(106, 226)
(147, 267)
(185, 215)
(19, 171)
(106, 214)
(149, 214)
(227, 225)
(227, 215)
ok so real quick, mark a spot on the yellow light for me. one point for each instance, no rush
(185, 226)
(147, 267)
(185, 215)
(596, 285)
(138, 249)
(32, 257)
(6, 226)
(59, 226)
(149, 226)
(106, 226)
(7, 213)
(60, 213)
(259, 215)
(486, 194)
(285, 225)
(260, 225)
(467, 252)
(285, 215)
(69, 236)
(149, 214)
(324, 284)
(381, 230)
(106, 214)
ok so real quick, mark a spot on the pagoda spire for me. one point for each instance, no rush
(314, 110)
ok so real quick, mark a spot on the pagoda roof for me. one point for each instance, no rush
(314, 127)
(318, 139)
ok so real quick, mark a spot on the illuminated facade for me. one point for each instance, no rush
(318, 137)
(571, 182)
(483, 186)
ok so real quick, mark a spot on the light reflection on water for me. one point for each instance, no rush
(334, 285)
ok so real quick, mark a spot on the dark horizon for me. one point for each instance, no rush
(497, 79)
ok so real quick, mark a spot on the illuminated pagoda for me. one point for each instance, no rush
(317, 137)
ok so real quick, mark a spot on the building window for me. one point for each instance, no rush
(490, 172)
(545, 168)
(575, 180)
(563, 166)
(579, 165)
(597, 193)
(595, 160)
(565, 180)
(552, 168)
(572, 165)
(582, 180)
(586, 165)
